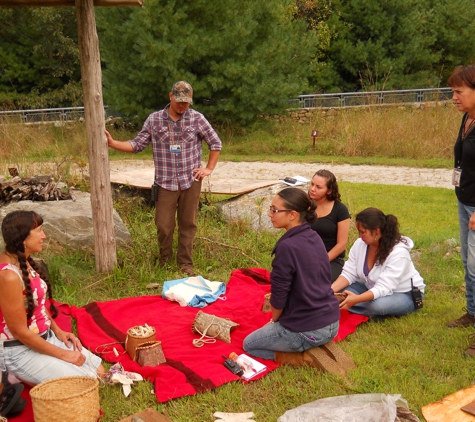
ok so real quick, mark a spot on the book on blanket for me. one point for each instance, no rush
(250, 366)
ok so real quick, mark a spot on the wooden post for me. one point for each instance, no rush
(101, 192)
(314, 136)
(35, 3)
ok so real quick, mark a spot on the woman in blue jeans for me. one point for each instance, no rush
(305, 312)
(379, 275)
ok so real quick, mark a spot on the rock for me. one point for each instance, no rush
(68, 222)
(252, 207)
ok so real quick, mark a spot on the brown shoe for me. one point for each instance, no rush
(188, 270)
(465, 320)
(338, 355)
(324, 362)
(290, 358)
(471, 350)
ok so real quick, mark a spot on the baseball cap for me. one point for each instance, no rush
(182, 92)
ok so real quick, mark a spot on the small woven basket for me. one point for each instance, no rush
(149, 354)
(133, 340)
(66, 399)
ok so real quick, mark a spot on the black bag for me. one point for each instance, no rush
(11, 404)
(416, 297)
(154, 194)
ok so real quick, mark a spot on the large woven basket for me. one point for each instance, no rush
(66, 399)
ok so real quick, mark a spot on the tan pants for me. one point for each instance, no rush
(183, 203)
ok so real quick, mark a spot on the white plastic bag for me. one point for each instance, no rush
(351, 408)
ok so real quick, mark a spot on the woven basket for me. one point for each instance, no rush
(149, 354)
(66, 399)
(212, 326)
(132, 341)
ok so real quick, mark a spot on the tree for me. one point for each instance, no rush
(387, 44)
(243, 57)
(39, 55)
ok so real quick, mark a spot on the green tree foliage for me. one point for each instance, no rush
(39, 59)
(243, 57)
(368, 44)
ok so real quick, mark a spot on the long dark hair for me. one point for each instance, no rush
(372, 219)
(297, 200)
(16, 227)
(332, 184)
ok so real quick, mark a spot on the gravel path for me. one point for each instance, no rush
(387, 175)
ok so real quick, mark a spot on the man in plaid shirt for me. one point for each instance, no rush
(176, 133)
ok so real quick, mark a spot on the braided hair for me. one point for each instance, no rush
(372, 219)
(16, 227)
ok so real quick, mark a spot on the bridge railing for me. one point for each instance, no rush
(43, 114)
(341, 99)
(345, 99)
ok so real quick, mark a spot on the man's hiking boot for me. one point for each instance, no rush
(471, 350)
(465, 320)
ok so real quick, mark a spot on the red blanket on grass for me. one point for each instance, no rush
(188, 370)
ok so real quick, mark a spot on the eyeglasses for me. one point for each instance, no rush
(274, 210)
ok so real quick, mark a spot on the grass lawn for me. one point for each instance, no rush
(415, 356)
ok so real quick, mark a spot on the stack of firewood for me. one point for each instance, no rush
(37, 188)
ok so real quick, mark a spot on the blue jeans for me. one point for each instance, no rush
(467, 251)
(33, 367)
(397, 304)
(272, 338)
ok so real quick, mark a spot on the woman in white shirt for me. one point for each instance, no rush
(379, 275)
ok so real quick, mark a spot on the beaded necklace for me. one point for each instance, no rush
(466, 129)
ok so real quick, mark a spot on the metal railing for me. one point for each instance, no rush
(44, 114)
(340, 99)
(346, 99)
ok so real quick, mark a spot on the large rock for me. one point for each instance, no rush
(68, 222)
(252, 207)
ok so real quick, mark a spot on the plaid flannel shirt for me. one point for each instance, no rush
(173, 169)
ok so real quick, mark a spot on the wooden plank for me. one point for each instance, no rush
(36, 3)
(143, 179)
(448, 409)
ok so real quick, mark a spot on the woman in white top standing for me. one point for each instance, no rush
(379, 275)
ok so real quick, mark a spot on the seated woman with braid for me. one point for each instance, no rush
(32, 346)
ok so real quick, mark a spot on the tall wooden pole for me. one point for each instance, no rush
(101, 192)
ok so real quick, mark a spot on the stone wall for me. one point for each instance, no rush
(304, 115)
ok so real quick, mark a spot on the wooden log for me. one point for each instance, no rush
(11, 182)
(38, 180)
(36, 3)
(105, 248)
(38, 188)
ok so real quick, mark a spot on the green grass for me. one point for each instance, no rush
(415, 356)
